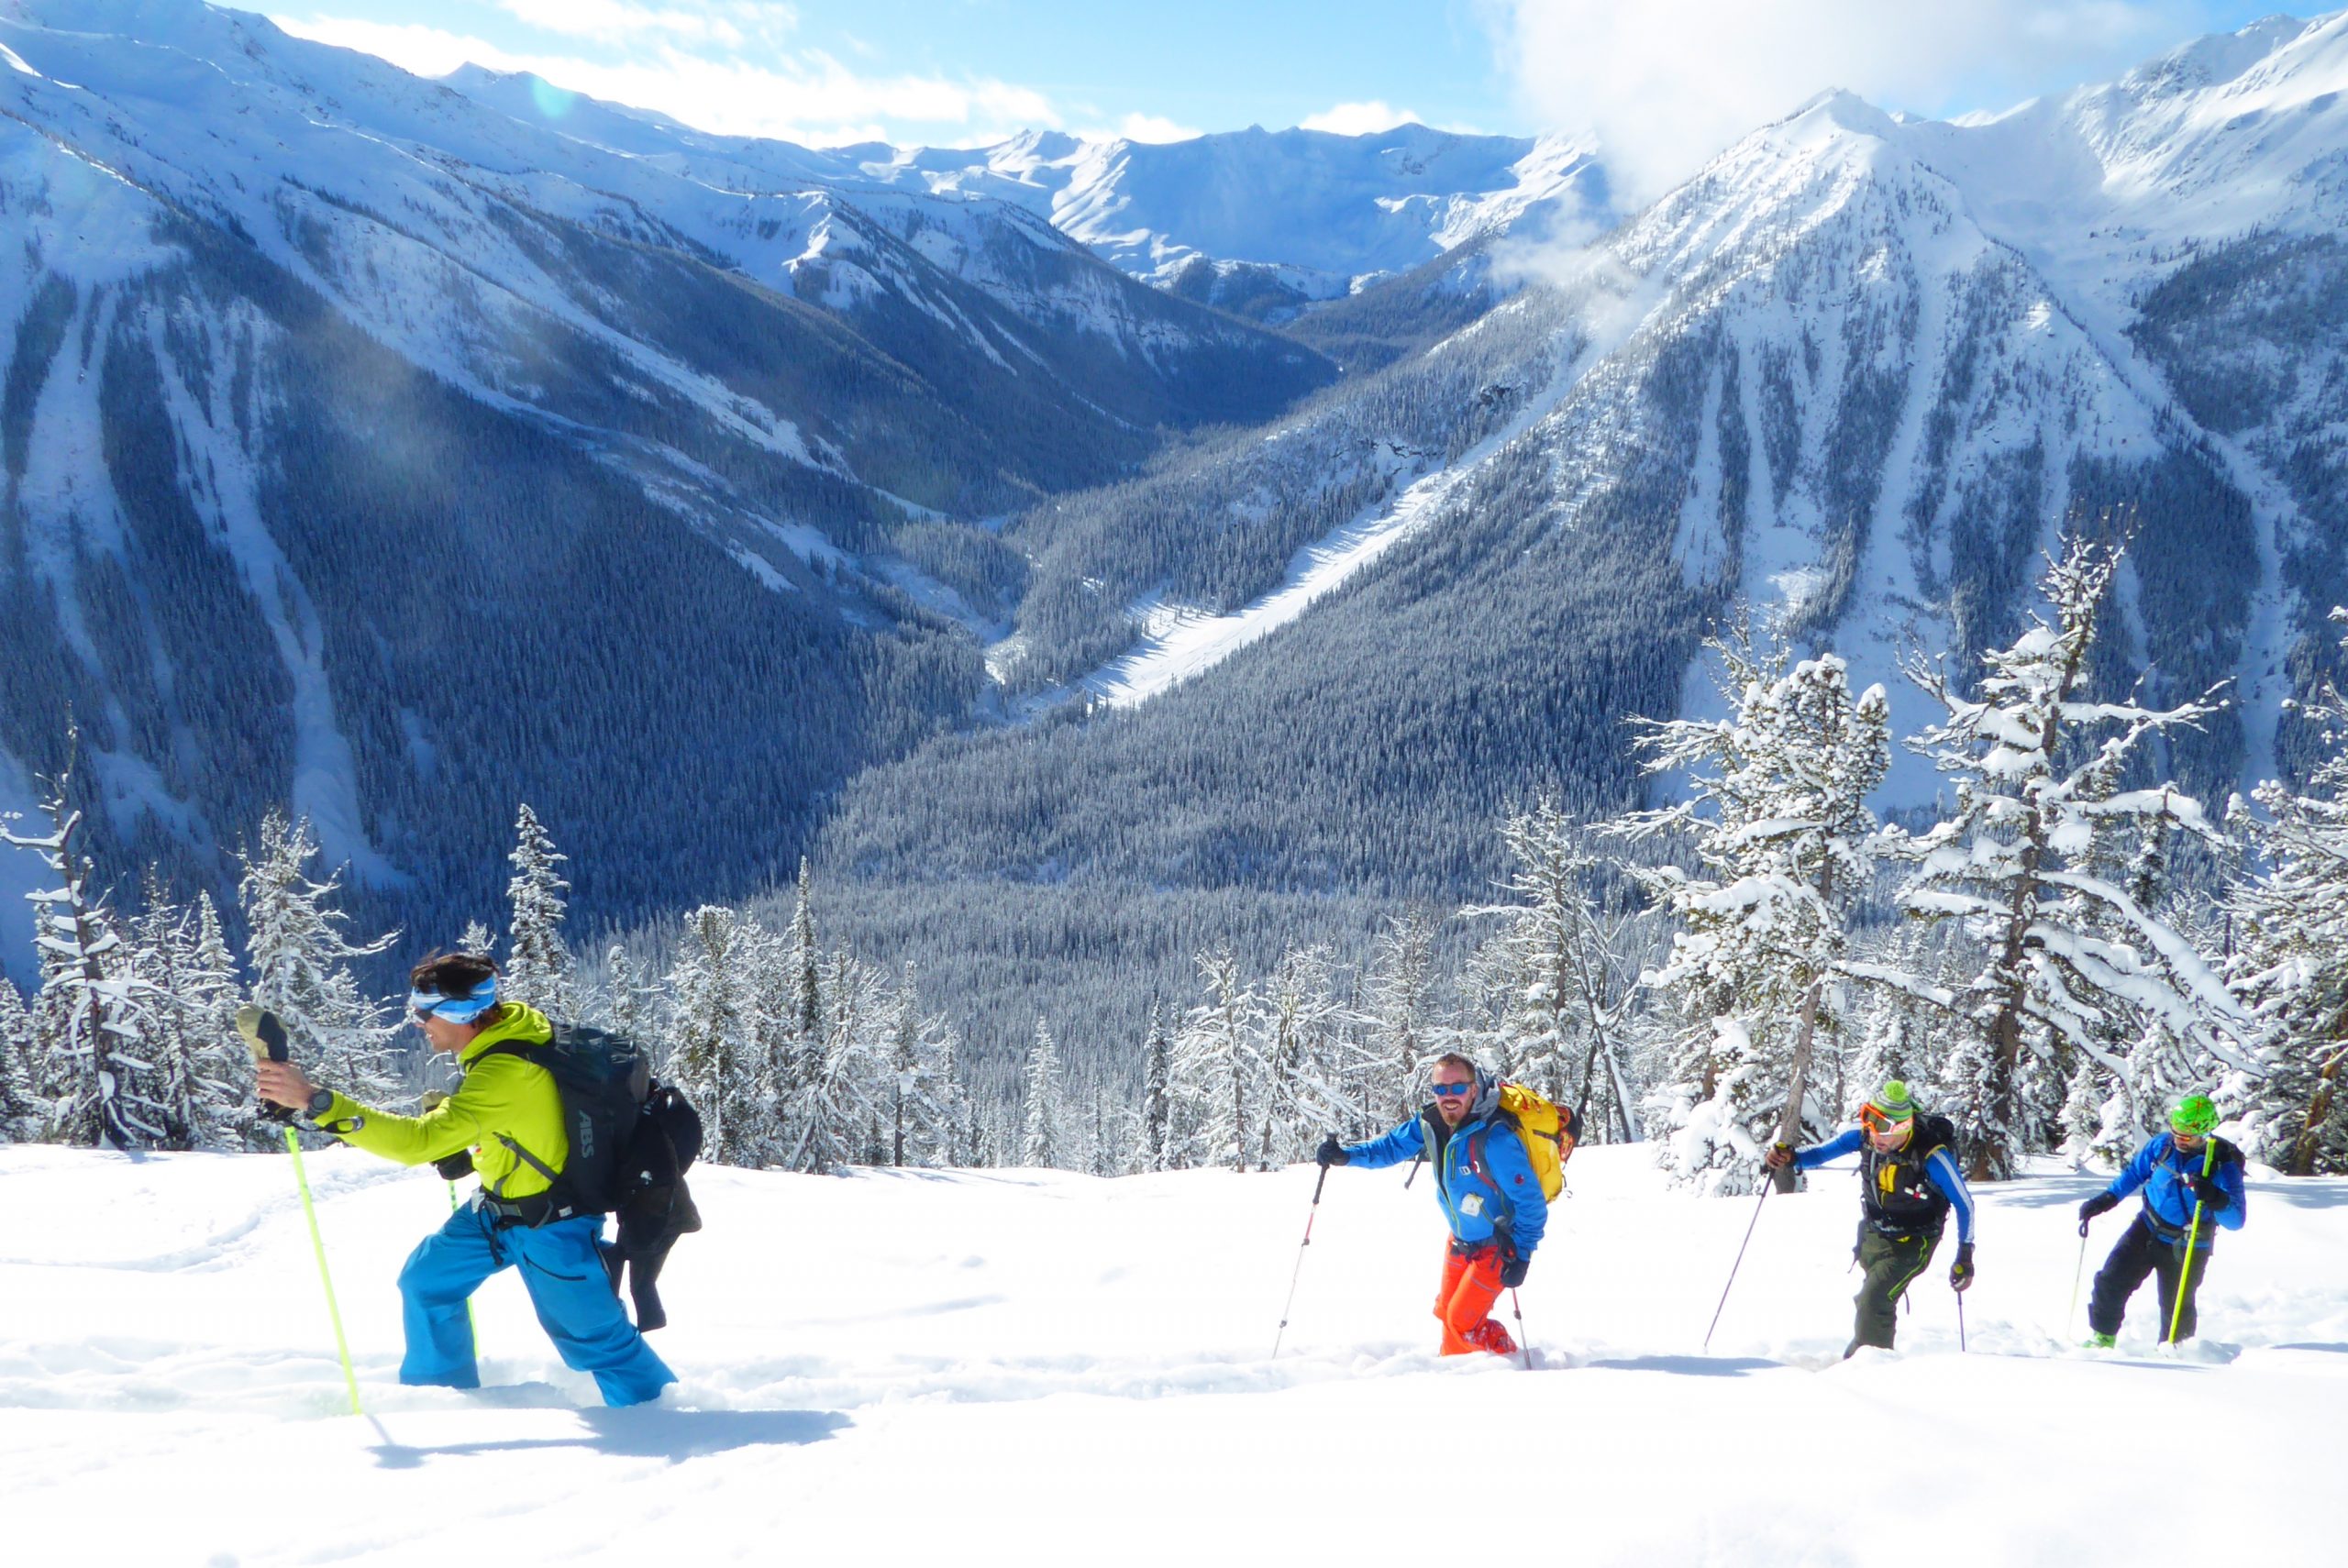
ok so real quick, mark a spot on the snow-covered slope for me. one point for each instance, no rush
(1031, 1364)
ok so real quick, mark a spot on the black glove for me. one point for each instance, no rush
(1512, 1272)
(2101, 1203)
(1960, 1272)
(456, 1165)
(1331, 1152)
(1779, 1157)
(2207, 1192)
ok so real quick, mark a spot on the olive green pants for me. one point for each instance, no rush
(1890, 1264)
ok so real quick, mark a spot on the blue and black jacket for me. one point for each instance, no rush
(1483, 1178)
(1906, 1191)
(2160, 1168)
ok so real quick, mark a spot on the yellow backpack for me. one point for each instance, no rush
(1547, 1130)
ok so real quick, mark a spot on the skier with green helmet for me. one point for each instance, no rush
(1908, 1181)
(2192, 1183)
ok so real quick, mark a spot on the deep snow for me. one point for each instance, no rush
(986, 1366)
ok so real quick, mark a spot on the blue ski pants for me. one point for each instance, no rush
(567, 1284)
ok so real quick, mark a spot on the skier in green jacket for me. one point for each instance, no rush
(507, 1114)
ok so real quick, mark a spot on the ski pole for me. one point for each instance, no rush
(1768, 1187)
(2071, 1319)
(2192, 1240)
(266, 1035)
(317, 1245)
(1523, 1343)
(1298, 1273)
(1960, 1322)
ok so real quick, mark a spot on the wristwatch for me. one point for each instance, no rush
(321, 1103)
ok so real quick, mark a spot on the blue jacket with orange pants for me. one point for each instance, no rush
(1484, 1179)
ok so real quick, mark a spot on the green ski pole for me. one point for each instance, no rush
(317, 1245)
(2192, 1239)
(266, 1035)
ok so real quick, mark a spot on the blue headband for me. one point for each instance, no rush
(456, 1009)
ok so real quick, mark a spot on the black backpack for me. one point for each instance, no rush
(631, 1142)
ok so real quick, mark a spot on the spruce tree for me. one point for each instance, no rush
(1043, 1133)
(714, 1045)
(1559, 963)
(2037, 765)
(1401, 1014)
(2290, 968)
(93, 1008)
(1777, 812)
(22, 1111)
(539, 967)
(1218, 1065)
(1157, 1109)
(300, 963)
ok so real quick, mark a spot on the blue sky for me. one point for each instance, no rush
(1683, 72)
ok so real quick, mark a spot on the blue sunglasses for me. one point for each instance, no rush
(1449, 1091)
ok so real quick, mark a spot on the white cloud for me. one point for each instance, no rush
(1666, 84)
(1359, 119)
(809, 98)
(1156, 127)
(728, 24)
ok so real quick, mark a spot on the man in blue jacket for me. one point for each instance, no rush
(2184, 1171)
(1491, 1198)
(1907, 1183)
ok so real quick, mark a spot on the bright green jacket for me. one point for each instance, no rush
(506, 1097)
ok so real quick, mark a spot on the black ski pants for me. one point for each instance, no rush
(2142, 1252)
(1892, 1264)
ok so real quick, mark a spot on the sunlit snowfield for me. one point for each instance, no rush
(1042, 1367)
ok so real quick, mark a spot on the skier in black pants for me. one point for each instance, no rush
(1907, 1183)
(2181, 1170)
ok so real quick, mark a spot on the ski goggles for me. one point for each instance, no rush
(1451, 1091)
(1882, 1123)
(455, 1009)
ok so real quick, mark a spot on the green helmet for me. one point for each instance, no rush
(2195, 1116)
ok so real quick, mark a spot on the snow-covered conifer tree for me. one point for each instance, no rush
(712, 1049)
(539, 967)
(202, 1088)
(1043, 1133)
(301, 965)
(93, 1007)
(1401, 1014)
(2036, 767)
(841, 1107)
(1783, 840)
(920, 1120)
(1305, 1073)
(1218, 1065)
(22, 1112)
(1156, 1091)
(2290, 968)
(1561, 962)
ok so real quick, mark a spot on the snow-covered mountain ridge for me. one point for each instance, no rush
(1841, 373)
(296, 336)
(1296, 216)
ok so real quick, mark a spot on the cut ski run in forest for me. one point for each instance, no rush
(1044, 1367)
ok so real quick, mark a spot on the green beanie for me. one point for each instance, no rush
(1890, 1103)
(2195, 1116)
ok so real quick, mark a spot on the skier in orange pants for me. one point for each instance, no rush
(1491, 1198)
(1463, 1303)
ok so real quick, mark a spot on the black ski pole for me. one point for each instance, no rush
(1298, 1273)
(1767, 1186)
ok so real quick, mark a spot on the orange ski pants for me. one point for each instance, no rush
(1471, 1283)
